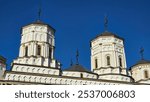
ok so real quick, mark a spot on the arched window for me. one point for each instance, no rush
(108, 60)
(120, 61)
(146, 74)
(96, 63)
(39, 50)
(26, 51)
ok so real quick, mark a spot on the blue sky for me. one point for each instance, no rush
(76, 23)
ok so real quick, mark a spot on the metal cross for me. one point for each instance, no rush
(106, 23)
(142, 52)
(77, 57)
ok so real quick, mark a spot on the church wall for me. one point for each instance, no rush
(78, 74)
(116, 77)
(34, 69)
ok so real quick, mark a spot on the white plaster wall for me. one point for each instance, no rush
(78, 74)
(40, 61)
(34, 69)
(110, 70)
(116, 78)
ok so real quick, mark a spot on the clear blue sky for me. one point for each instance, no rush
(76, 23)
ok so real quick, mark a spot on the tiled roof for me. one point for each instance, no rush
(78, 68)
(41, 23)
(106, 33)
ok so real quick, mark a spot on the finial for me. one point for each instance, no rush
(71, 62)
(106, 22)
(77, 57)
(39, 11)
(142, 53)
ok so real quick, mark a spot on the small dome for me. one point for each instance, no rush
(143, 62)
(77, 68)
(106, 33)
(38, 22)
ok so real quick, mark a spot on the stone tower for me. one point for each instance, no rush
(108, 58)
(37, 50)
(107, 50)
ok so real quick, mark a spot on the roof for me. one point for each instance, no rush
(38, 22)
(142, 61)
(78, 68)
(106, 33)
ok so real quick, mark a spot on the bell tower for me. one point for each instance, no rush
(108, 55)
(37, 45)
(107, 50)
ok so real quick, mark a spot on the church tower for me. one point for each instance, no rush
(107, 50)
(37, 45)
(108, 55)
(36, 54)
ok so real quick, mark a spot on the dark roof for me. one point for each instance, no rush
(78, 68)
(106, 33)
(41, 23)
(142, 61)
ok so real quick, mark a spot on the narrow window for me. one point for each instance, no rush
(26, 51)
(146, 74)
(108, 60)
(81, 75)
(50, 52)
(120, 61)
(96, 63)
(39, 50)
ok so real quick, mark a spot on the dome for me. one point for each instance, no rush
(142, 61)
(106, 33)
(38, 22)
(78, 68)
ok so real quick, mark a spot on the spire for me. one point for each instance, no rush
(142, 53)
(39, 10)
(77, 57)
(106, 23)
(71, 62)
